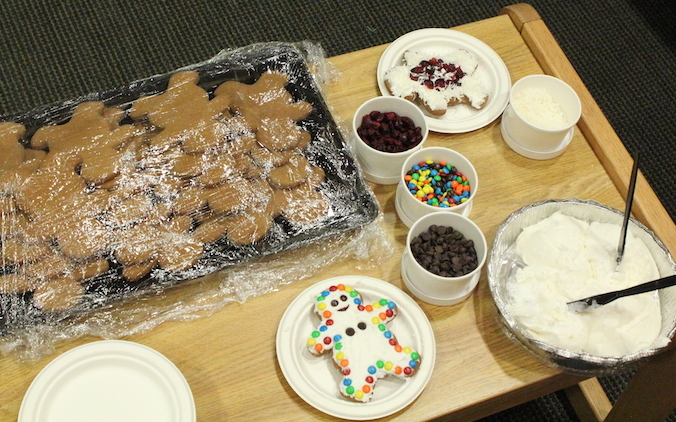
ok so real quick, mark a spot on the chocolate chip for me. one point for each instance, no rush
(444, 251)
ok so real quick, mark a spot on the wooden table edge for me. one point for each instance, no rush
(588, 397)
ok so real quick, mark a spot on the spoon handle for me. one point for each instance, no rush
(627, 209)
(641, 288)
(605, 298)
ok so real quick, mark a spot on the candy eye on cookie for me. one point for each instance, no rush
(339, 302)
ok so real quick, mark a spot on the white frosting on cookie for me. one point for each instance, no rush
(452, 86)
(363, 348)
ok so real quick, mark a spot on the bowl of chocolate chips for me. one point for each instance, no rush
(444, 255)
(386, 131)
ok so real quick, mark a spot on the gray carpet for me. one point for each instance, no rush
(624, 50)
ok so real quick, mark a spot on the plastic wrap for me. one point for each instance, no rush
(231, 173)
(504, 261)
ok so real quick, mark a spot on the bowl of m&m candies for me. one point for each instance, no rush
(435, 179)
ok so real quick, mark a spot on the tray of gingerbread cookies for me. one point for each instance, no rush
(168, 179)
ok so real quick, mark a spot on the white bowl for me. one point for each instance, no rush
(430, 287)
(541, 140)
(378, 166)
(503, 263)
(409, 209)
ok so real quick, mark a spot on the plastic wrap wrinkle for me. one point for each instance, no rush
(231, 174)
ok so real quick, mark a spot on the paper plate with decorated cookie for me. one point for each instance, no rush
(459, 81)
(356, 347)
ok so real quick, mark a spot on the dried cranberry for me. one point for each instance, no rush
(435, 74)
(389, 132)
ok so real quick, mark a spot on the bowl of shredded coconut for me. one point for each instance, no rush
(539, 120)
(549, 253)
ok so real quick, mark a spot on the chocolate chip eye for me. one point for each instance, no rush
(334, 303)
(343, 298)
(350, 331)
(361, 326)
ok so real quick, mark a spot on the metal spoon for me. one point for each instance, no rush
(605, 298)
(627, 209)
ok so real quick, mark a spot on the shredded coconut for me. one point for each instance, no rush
(538, 108)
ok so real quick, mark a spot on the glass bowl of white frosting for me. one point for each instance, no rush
(556, 251)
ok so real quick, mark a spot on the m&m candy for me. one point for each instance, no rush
(438, 184)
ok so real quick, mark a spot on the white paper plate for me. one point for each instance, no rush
(315, 378)
(110, 380)
(492, 70)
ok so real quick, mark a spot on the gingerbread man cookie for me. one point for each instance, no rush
(16, 162)
(439, 80)
(184, 114)
(12, 153)
(60, 207)
(267, 98)
(93, 135)
(363, 348)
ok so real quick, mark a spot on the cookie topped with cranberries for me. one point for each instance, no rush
(438, 80)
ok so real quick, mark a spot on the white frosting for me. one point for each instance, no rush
(568, 259)
(363, 348)
(471, 90)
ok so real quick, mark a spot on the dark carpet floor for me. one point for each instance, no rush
(624, 50)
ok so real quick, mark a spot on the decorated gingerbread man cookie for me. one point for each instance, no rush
(364, 349)
(438, 80)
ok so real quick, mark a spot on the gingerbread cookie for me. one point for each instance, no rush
(17, 252)
(364, 350)
(190, 200)
(18, 283)
(302, 205)
(135, 272)
(167, 243)
(290, 174)
(89, 269)
(248, 227)
(12, 153)
(93, 135)
(184, 114)
(52, 266)
(279, 133)
(60, 207)
(266, 98)
(59, 294)
(16, 162)
(212, 229)
(438, 80)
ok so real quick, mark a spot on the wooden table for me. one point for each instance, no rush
(229, 357)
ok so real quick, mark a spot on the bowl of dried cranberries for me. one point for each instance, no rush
(386, 131)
